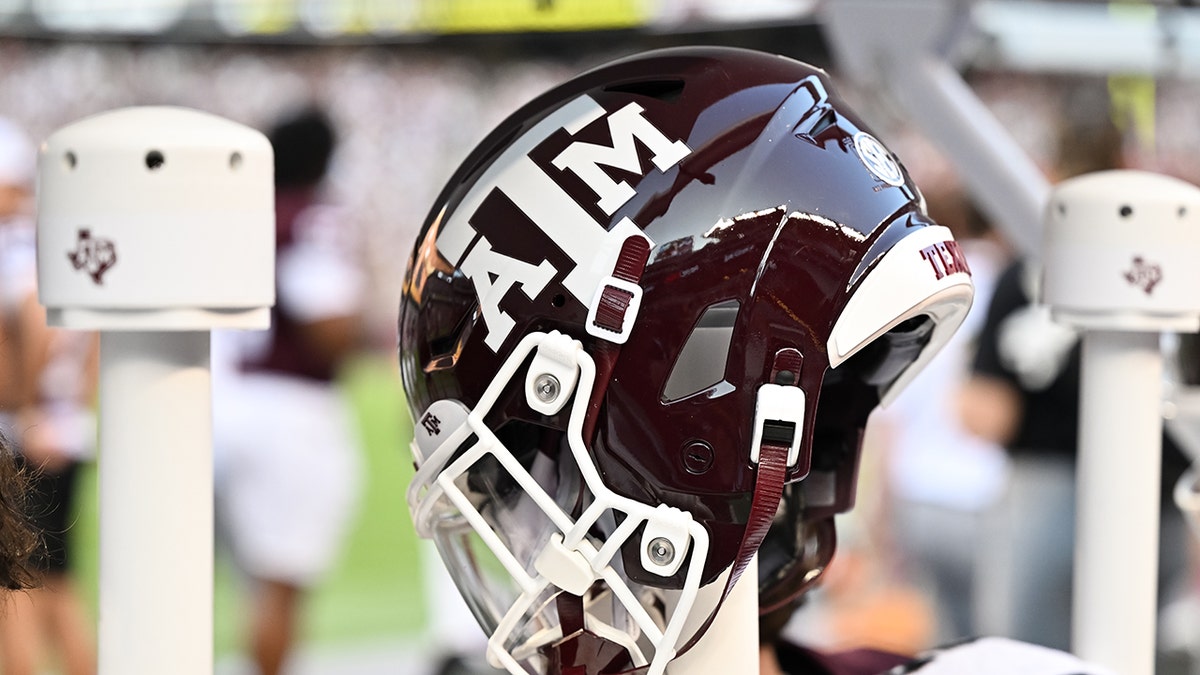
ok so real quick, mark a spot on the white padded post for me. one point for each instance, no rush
(1120, 264)
(156, 225)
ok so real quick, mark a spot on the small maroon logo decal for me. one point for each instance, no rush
(433, 426)
(93, 255)
(1144, 275)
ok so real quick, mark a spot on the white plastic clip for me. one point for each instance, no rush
(567, 568)
(627, 320)
(436, 424)
(553, 373)
(665, 541)
(780, 406)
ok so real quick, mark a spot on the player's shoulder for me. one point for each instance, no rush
(998, 656)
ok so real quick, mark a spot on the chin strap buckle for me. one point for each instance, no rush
(779, 408)
(614, 308)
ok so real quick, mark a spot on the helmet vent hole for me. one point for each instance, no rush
(1182, 211)
(558, 300)
(663, 90)
(701, 363)
(1126, 211)
(815, 125)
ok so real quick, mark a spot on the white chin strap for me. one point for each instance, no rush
(571, 560)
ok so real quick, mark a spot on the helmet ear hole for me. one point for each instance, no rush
(882, 361)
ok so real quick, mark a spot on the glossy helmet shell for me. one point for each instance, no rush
(775, 213)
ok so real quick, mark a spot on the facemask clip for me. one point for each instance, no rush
(553, 374)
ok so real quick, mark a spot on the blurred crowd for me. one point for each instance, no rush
(964, 524)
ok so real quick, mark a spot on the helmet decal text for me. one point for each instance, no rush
(552, 210)
(584, 159)
(482, 265)
(946, 257)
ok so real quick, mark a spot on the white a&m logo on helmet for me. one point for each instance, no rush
(548, 206)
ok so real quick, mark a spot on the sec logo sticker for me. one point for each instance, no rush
(877, 159)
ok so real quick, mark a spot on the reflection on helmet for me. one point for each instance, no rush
(641, 334)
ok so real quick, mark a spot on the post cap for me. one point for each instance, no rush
(1122, 252)
(156, 218)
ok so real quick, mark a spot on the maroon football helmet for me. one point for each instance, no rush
(644, 324)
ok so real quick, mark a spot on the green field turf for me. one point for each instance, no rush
(375, 591)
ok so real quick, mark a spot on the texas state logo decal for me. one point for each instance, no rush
(93, 255)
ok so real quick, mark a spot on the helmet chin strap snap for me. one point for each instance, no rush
(779, 408)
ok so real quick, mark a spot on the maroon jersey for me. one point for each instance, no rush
(315, 279)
